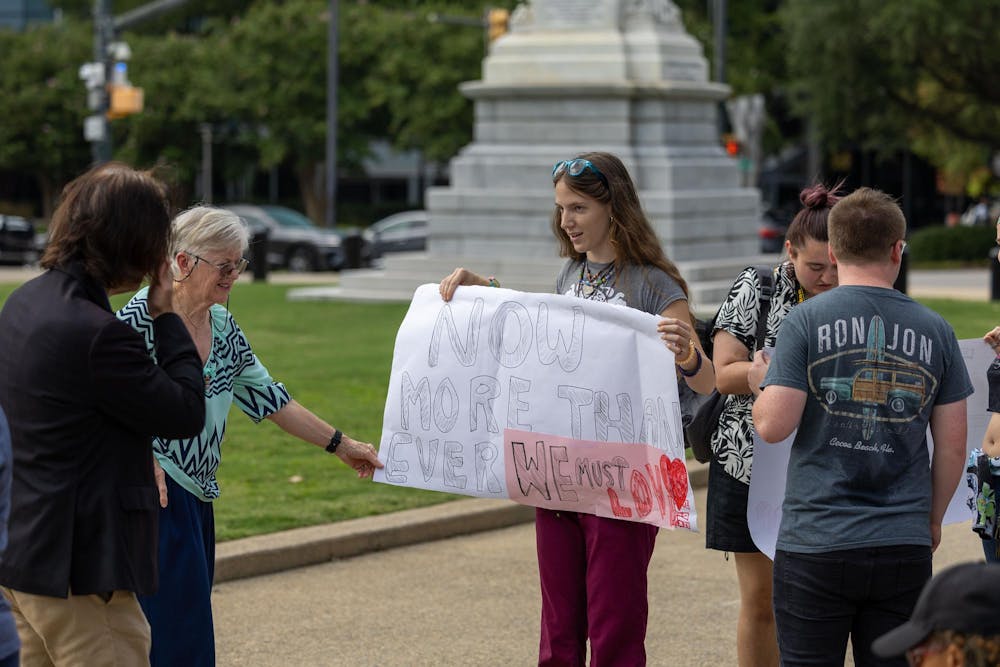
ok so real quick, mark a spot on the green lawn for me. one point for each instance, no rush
(335, 359)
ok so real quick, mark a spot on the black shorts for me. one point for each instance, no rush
(726, 526)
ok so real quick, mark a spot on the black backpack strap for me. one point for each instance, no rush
(765, 273)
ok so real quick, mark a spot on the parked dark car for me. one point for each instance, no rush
(771, 230)
(17, 240)
(293, 241)
(406, 231)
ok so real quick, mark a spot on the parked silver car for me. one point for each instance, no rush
(293, 241)
(406, 231)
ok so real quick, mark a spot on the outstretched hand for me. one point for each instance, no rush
(359, 455)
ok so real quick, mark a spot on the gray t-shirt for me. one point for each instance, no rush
(644, 288)
(873, 364)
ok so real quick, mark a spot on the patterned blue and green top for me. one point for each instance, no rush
(232, 373)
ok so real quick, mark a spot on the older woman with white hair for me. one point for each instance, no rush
(207, 258)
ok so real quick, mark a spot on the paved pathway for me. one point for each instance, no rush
(473, 600)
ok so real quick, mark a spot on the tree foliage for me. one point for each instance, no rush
(43, 104)
(883, 75)
(398, 78)
(892, 74)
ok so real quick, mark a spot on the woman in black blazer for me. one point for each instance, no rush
(84, 399)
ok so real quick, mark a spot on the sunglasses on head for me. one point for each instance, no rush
(576, 167)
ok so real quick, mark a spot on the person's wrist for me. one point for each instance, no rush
(335, 441)
(687, 357)
(689, 373)
(491, 281)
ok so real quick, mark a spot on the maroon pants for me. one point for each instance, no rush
(593, 576)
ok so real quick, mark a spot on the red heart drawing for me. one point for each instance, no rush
(678, 476)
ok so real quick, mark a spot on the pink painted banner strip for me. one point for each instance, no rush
(631, 481)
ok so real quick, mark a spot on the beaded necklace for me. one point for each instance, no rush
(589, 282)
(801, 294)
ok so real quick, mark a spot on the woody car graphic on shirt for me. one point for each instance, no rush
(880, 387)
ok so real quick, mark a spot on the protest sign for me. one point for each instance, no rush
(541, 398)
(770, 460)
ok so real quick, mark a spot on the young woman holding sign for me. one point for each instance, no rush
(593, 569)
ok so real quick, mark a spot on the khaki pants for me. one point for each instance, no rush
(81, 630)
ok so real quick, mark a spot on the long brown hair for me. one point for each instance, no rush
(113, 219)
(631, 233)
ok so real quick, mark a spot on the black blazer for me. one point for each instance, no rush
(84, 398)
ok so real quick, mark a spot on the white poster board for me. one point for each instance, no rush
(545, 399)
(770, 461)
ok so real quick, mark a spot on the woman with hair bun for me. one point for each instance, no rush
(807, 271)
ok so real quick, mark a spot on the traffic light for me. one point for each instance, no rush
(497, 22)
(732, 145)
(124, 99)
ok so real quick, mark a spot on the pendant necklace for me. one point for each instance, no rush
(589, 282)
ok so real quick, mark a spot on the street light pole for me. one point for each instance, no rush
(333, 44)
(97, 130)
(101, 146)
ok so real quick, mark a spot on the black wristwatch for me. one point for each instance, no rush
(334, 442)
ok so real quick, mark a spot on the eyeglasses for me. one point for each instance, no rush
(226, 268)
(576, 167)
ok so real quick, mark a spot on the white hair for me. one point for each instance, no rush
(202, 229)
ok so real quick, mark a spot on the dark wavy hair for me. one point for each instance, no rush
(810, 222)
(113, 219)
(631, 233)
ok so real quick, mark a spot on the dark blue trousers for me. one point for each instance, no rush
(822, 599)
(180, 612)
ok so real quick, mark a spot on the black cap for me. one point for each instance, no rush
(964, 598)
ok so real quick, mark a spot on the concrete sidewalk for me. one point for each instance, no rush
(274, 552)
(474, 600)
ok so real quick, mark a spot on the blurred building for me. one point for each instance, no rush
(19, 14)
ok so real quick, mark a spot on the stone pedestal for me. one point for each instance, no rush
(572, 76)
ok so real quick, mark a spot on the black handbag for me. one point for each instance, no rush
(701, 413)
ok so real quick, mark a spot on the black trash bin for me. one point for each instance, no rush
(258, 254)
(353, 243)
(901, 279)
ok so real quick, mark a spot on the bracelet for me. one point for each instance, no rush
(492, 281)
(690, 354)
(334, 441)
(697, 366)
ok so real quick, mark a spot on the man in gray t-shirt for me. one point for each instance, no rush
(861, 371)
